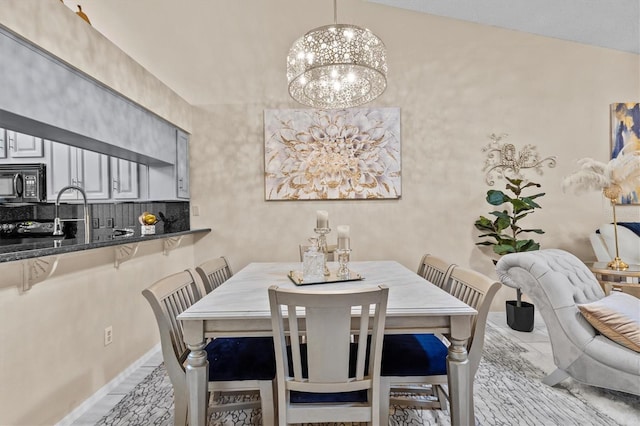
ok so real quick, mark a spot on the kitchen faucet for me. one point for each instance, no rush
(57, 227)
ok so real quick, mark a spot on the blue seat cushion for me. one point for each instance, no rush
(309, 398)
(413, 355)
(241, 358)
(632, 226)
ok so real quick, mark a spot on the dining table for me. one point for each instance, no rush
(240, 307)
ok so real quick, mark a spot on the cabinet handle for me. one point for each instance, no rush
(12, 140)
(116, 185)
(180, 183)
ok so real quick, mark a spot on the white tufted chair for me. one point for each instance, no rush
(604, 244)
(556, 280)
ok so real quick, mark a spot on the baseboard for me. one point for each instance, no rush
(106, 389)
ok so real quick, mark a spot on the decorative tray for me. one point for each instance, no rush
(296, 277)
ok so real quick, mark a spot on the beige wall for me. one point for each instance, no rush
(58, 30)
(52, 353)
(455, 83)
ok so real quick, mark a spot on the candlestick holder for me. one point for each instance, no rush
(343, 262)
(322, 245)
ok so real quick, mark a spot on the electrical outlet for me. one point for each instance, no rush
(95, 223)
(108, 335)
(195, 210)
(110, 222)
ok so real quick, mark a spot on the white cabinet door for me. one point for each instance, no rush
(3, 144)
(124, 179)
(182, 164)
(61, 170)
(172, 182)
(68, 165)
(24, 146)
(93, 174)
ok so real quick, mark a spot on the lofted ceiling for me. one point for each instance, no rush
(611, 24)
(203, 49)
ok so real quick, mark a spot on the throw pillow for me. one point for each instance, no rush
(616, 316)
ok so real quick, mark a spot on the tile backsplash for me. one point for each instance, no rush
(172, 216)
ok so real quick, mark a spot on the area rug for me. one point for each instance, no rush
(508, 391)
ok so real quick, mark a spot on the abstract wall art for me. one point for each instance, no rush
(332, 154)
(625, 134)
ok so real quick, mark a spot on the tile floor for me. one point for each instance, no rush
(104, 405)
(537, 342)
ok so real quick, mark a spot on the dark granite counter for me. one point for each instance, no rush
(40, 247)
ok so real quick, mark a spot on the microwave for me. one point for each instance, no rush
(23, 183)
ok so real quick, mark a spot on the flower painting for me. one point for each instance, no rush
(625, 135)
(332, 154)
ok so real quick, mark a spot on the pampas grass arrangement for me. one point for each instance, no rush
(620, 176)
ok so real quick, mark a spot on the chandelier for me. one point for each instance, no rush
(337, 66)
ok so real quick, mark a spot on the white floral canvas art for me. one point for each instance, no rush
(332, 154)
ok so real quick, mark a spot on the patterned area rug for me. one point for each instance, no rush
(508, 391)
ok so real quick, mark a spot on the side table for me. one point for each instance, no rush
(627, 281)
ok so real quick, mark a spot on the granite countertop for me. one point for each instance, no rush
(40, 247)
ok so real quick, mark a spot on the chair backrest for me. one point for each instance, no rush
(476, 290)
(214, 272)
(436, 270)
(325, 320)
(628, 242)
(169, 297)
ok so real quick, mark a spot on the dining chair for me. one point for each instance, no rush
(436, 270)
(244, 365)
(410, 361)
(328, 378)
(214, 272)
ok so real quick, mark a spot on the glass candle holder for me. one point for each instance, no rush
(343, 263)
(322, 245)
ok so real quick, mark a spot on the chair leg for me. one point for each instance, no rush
(385, 394)
(554, 378)
(267, 403)
(180, 406)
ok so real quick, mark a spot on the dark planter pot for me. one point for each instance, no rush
(520, 318)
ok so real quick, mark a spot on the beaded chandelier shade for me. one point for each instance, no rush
(337, 66)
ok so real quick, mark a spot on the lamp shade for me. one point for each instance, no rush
(337, 66)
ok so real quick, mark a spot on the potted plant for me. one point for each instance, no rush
(504, 234)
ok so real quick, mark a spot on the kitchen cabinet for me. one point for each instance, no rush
(182, 164)
(3, 144)
(68, 165)
(18, 147)
(124, 179)
(172, 182)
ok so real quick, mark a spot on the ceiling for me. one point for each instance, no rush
(611, 24)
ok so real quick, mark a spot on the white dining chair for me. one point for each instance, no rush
(436, 270)
(244, 365)
(410, 361)
(328, 378)
(214, 272)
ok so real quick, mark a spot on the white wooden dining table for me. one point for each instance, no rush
(240, 307)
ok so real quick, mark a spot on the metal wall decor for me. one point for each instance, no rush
(503, 160)
(339, 154)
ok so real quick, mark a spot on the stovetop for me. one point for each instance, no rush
(26, 229)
